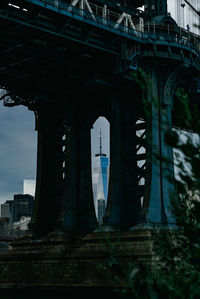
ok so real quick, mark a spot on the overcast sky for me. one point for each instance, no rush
(17, 149)
(18, 145)
(171, 7)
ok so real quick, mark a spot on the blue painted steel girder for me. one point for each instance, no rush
(93, 37)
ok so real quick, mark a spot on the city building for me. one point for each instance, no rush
(23, 206)
(29, 187)
(7, 209)
(101, 210)
(185, 16)
(4, 225)
(100, 179)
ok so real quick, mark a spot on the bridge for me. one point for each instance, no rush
(84, 24)
(71, 62)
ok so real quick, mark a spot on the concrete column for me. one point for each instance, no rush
(78, 213)
(132, 191)
(168, 176)
(115, 207)
(69, 213)
(49, 170)
(159, 182)
(124, 204)
(86, 210)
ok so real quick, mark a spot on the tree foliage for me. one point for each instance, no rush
(175, 273)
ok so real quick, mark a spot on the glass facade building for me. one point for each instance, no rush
(29, 187)
(100, 178)
(185, 16)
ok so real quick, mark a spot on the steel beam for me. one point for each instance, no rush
(49, 180)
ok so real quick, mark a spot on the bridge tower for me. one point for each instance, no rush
(63, 189)
(71, 62)
(154, 8)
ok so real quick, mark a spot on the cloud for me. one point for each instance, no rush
(17, 149)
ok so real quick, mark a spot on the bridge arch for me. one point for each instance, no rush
(100, 150)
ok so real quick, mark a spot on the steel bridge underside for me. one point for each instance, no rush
(45, 52)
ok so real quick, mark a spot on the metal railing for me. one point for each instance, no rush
(133, 26)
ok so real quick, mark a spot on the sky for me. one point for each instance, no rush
(18, 144)
(102, 125)
(171, 7)
(18, 147)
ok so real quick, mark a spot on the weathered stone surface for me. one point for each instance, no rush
(66, 261)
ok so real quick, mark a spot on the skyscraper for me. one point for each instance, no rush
(7, 209)
(23, 206)
(101, 210)
(100, 178)
(29, 187)
(186, 16)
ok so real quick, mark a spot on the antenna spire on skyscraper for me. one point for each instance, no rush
(100, 143)
(100, 146)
